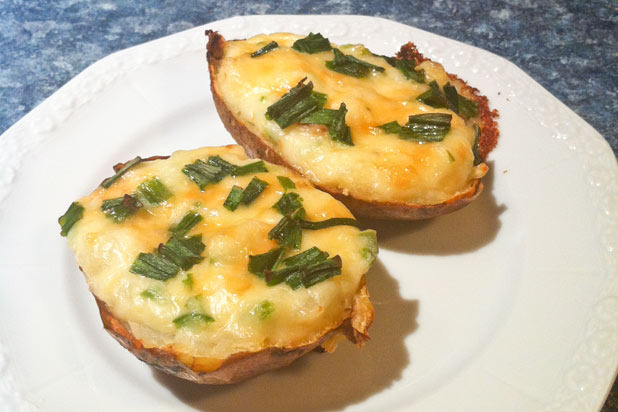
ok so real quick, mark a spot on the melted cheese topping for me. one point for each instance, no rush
(380, 166)
(222, 286)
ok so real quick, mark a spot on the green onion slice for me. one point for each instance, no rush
(193, 320)
(258, 264)
(256, 167)
(305, 275)
(427, 127)
(263, 310)
(335, 120)
(253, 190)
(407, 68)
(288, 231)
(154, 266)
(309, 256)
(183, 252)
(462, 106)
(313, 43)
(294, 105)
(203, 173)
(288, 203)
(336, 221)
(188, 281)
(433, 97)
(187, 223)
(269, 47)
(110, 180)
(286, 183)
(121, 208)
(350, 65)
(152, 192)
(233, 199)
(74, 213)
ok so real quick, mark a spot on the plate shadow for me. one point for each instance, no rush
(463, 231)
(322, 381)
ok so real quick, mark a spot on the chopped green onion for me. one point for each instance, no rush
(288, 203)
(407, 68)
(319, 272)
(313, 43)
(294, 280)
(433, 97)
(427, 127)
(288, 231)
(294, 105)
(152, 192)
(215, 169)
(256, 167)
(452, 97)
(203, 174)
(335, 120)
(187, 223)
(183, 252)
(370, 251)
(225, 166)
(309, 256)
(266, 261)
(192, 320)
(121, 208)
(188, 281)
(194, 304)
(390, 60)
(320, 98)
(321, 116)
(451, 159)
(151, 294)
(466, 108)
(339, 131)
(392, 127)
(350, 65)
(253, 190)
(269, 47)
(286, 183)
(263, 310)
(233, 199)
(74, 213)
(110, 180)
(306, 275)
(154, 266)
(475, 148)
(336, 221)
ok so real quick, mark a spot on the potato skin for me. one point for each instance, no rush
(239, 366)
(235, 368)
(257, 147)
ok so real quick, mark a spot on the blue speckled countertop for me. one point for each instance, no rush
(569, 47)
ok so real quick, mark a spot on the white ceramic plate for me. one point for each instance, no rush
(510, 304)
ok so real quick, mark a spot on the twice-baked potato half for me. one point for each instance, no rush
(215, 268)
(391, 137)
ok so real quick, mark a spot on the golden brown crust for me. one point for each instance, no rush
(257, 147)
(239, 366)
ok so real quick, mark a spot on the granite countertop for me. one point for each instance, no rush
(569, 47)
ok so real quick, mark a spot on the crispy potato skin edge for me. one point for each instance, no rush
(239, 366)
(236, 368)
(257, 147)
